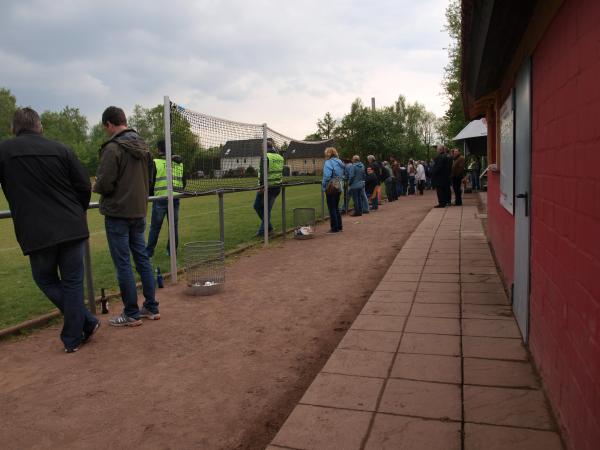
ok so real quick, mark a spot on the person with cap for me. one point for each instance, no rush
(160, 207)
(274, 178)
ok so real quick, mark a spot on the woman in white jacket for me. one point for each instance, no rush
(420, 177)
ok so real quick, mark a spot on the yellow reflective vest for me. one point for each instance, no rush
(160, 183)
(275, 169)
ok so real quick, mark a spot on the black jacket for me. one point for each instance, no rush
(440, 172)
(124, 177)
(48, 191)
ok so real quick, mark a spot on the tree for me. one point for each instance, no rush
(326, 126)
(454, 119)
(8, 106)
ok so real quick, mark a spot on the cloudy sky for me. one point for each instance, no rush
(281, 62)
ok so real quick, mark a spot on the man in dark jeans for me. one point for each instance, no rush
(123, 181)
(48, 192)
(160, 207)
(274, 179)
(440, 176)
(458, 173)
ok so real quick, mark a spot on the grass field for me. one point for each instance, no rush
(198, 220)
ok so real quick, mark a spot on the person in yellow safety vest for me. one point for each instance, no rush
(160, 207)
(274, 179)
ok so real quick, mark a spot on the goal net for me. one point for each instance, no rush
(220, 154)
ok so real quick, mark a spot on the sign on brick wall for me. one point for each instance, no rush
(507, 151)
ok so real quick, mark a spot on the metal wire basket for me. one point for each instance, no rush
(305, 220)
(204, 267)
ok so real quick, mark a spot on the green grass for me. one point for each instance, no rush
(198, 220)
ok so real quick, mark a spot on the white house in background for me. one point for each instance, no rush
(239, 155)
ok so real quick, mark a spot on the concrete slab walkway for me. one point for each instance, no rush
(434, 360)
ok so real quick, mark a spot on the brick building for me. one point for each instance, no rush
(532, 69)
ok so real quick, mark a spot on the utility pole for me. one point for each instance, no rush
(373, 103)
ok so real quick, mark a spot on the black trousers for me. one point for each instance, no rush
(443, 194)
(456, 186)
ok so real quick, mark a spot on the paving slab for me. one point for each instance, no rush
(437, 297)
(379, 322)
(483, 288)
(490, 328)
(443, 310)
(433, 325)
(490, 372)
(485, 298)
(421, 399)
(440, 277)
(493, 348)
(315, 427)
(430, 344)
(392, 296)
(410, 433)
(488, 437)
(359, 363)
(524, 408)
(498, 312)
(376, 341)
(397, 286)
(440, 368)
(399, 276)
(343, 391)
(386, 309)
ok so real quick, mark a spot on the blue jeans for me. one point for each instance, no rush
(260, 210)
(125, 236)
(335, 217)
(160, 209)
(66, 290)
(356, 194)
(364, 201)
(375, 201)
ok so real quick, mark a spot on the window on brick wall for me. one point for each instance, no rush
(507, 153)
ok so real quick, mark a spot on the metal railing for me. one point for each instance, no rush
(87, 259)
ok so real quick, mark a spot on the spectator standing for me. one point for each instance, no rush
(458, 173)
(390, 182)
(403, 180)
(371, 184)
(378, 171)
(124, 180)
(274, 178)
(412, 172)
(160, 207)
(475, 168)
(439, 176)
(356, 184)
(333, 168)
(44, 181)
(449, 161)
(420, 177)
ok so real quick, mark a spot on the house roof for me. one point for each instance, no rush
(308, 149)
(243, 148)
(474, 129)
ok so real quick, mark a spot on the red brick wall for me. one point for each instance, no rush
(565, 246)
(501, 228)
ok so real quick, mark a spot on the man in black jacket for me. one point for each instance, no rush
(124, 180)
(49, 192)
(440, 176)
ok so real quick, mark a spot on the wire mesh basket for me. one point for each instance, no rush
(204, 267)
(305, 220)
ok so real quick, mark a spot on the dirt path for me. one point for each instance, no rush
(215, 372)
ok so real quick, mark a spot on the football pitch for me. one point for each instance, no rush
(198, 221)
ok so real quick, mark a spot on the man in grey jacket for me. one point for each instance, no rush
(123, 180)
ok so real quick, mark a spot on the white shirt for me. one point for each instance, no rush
(420, 173)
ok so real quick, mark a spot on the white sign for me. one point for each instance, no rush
(507, 153)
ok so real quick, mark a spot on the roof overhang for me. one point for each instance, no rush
(491, 33)
(474, 129)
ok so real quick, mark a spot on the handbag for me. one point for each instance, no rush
(334, 185)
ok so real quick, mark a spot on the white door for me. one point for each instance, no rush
(522, 201)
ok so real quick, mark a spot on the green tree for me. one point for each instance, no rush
(326, 126)
(8, 105)
(454, 118)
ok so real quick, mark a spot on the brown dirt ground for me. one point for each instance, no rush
(219, 372)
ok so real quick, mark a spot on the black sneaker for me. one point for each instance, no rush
(145, 314)
(71, 350)
(88, 335)
(124, 321)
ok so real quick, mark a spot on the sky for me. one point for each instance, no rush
(285, 63)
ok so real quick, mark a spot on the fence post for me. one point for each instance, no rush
(170, 207)
(283, 212)
(221, 217)
(265, 177)
(322, 204)
(89, 280)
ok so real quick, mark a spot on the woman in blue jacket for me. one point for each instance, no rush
(333, 168)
